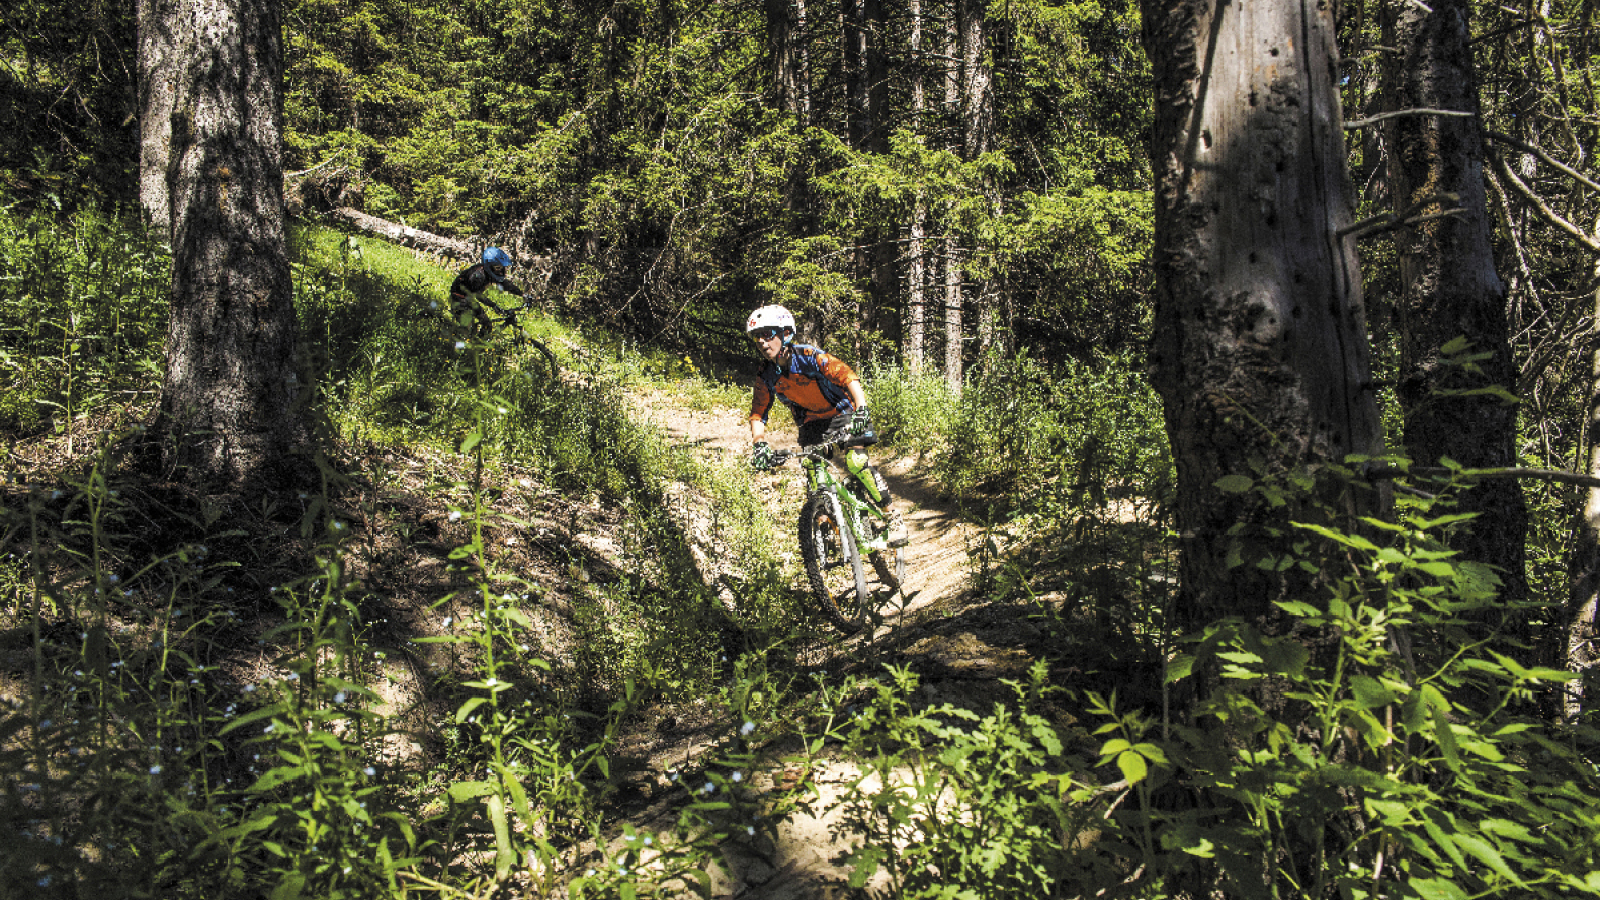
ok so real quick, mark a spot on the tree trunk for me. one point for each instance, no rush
(1582, 650)
(229, 398)
(1260, 346)
(913, 346)
(785, 64)
(1451, 289)
(954, 371)
(156, 83)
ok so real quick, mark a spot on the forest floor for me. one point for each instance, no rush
(960, 646)
(398, 504)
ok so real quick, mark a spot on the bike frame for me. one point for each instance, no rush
(850, 509)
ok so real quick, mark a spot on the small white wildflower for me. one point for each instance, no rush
(339, 697)
(266, 730)
(448, 620)
(455, 514)
(747, 727)
(709, 788)
(491, 682)
(155, 770)
(369, 771)
(461, 345)
(750, 830)
(293, 676)
(738, 777)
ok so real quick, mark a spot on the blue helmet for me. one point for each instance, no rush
(496, 261)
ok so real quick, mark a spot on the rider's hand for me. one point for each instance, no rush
(761, 455)
(860, 422)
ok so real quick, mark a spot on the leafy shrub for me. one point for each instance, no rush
(1043, 439)
(82, 303)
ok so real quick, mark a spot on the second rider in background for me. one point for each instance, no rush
(824, 395)
(472, 287)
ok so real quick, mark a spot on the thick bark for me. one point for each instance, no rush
(913, 347)
(977, 81)
(1260, 347)
(954, 363)
(229, 398)
(1451, 288)
(156, 84)
(788, 77)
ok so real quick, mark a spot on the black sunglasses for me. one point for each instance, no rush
(766, 334)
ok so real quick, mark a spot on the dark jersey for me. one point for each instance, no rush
(475, 281)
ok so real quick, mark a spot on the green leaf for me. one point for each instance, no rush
(1485, 852)
(1179, 668)
(1234, 484)
(504, 856)
(467, 708)
(470, 441)
(1370, 692)
(1133, 767)
(466, 790)
(1114, 746)
(1437, 889)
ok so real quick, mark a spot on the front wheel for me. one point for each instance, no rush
(833, 564)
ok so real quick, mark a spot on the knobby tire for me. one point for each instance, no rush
(833, 565)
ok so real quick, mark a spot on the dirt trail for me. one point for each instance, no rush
(937, 570)
(932, 626)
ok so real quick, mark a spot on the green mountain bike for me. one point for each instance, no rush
(838, 529)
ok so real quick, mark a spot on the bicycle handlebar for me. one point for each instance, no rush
(779, 457)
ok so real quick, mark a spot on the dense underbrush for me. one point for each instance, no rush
(431, 675)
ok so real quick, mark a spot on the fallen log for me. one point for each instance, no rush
(405, 235)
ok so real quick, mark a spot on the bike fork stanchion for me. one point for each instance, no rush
(852, 546)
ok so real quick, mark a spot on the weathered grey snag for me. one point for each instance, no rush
(1451, 288)
(1583, 607)
(229, 397)
(1260, 346)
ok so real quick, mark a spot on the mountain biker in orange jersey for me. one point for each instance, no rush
(823, 394)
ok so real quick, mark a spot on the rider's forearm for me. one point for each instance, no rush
(858, 394)
(758, 430)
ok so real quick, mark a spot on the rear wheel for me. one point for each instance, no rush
(833, 565)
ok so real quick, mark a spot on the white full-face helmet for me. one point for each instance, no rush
(771, 317)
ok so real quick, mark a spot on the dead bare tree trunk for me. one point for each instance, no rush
(1582, 650)
(1260, 347)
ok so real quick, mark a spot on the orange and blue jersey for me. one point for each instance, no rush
(813, 384)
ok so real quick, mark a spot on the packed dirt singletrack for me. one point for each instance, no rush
(937, 558)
